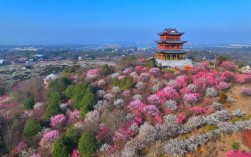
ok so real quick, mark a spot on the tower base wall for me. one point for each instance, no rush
(174, 63)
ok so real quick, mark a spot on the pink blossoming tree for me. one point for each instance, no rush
(127, 71)
(229, 65)
(153, 99)
(75, 153)
(35, 155)
(73, 116)
(181, 118)
(151, 110)
(21, 146)
(154, 71)
(136, 105)
(237, 153)
(144, 76)
(103, 132)
(167, 93)
(92, 74)
(49, 137)
(57, 120)
(190, 98)
(126, 93)
(222, 86)
(198, 110)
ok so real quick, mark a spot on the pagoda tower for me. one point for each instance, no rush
(170, 49)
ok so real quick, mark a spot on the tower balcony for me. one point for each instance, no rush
(170, 47)
(170, 56)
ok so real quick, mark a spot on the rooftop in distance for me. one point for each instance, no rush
(171, 31)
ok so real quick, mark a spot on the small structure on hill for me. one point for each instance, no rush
(50, 78)
(4, 62)
(170, 50)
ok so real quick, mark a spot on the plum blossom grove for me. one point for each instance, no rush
(171, 128)
(178, 147)
(49, 137)
(190, 98)
(57, 120)
(74, 115)
(130, 110)
(92, 74)
(238, 153)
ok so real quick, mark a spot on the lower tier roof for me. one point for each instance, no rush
(170, 41)
(171, 51)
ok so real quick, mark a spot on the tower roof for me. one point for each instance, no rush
(170, 41)
(171, 31)
(171, 51)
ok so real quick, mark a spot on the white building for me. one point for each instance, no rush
(49, 78)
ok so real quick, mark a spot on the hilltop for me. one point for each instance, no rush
(132, 108)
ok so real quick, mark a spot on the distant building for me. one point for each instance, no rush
(39, 55)
(4, 62)
(1, 61)
(80, 58)
(249, 63)
(50, 78)
(204, 58)
(170, 49)
(246, 69)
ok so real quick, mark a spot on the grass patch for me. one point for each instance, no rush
(237, 119)
(168, 70)
(211, 127)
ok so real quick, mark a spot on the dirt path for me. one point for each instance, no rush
(242, 103)
(222, 145)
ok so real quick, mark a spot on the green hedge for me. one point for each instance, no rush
(31, 127)
(29, 103)
(53, 107)
(87, 145)
(123, 84)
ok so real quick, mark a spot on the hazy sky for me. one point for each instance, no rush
(81, 21)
